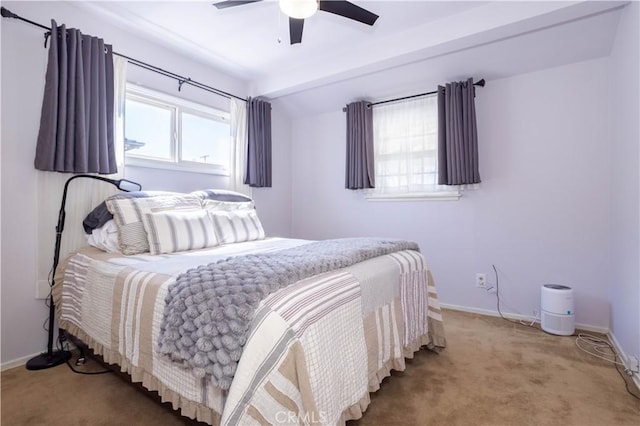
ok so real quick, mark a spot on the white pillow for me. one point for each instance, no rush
(105, 238)
(215, 205)
(236, 226)
(128, 214)
(175, 230)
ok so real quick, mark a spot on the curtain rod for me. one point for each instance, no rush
(480, 83)
(181, 80)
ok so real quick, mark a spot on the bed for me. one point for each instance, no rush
(313, 349)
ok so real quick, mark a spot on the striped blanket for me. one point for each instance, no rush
(210, 308)
(315, 348)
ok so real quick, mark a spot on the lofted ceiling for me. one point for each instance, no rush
(252, 42)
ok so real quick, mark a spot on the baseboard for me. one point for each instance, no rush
(17, 362)
(623, 355)
(23, 360)
(580, 326)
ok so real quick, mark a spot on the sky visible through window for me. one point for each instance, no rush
(150, 125)
(205, 140)
(201, 139)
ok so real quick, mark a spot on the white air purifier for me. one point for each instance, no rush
(556, 310)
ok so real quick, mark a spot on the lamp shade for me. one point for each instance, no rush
(298, 9)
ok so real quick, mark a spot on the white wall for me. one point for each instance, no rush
(174, 180)
(624, 291)
(22, 315)
(23, 70)
(541, 214)
(274, 204)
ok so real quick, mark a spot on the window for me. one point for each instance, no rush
(163, 131)
(405, 139)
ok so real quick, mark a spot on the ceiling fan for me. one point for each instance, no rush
(298, 10)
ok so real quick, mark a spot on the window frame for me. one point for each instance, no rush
(375, 194)
(178, 106)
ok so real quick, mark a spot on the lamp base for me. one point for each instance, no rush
(46, 360)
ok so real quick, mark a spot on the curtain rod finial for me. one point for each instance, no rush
(480, 83)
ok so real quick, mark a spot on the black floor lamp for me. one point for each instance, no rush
(52, 358)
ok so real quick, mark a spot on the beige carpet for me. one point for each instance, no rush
(492, 373)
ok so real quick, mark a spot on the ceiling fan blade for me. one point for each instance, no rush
(231, 3)
(295, 30)
(348, 10)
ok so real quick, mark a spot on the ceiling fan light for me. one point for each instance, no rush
(298, 9)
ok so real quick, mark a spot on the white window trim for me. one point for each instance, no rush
(370, 195)
(143, 91)
(165, 100)
(182, 166)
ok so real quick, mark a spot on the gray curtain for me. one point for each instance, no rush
(259, 143)
(457, 134)
(76, 124)
(359, 171)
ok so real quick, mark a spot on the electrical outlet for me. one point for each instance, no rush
(634, 365)
(481, 280)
